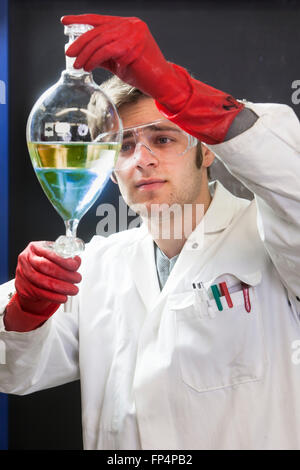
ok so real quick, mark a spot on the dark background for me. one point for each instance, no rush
(249, 49)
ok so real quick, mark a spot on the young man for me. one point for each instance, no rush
(179, 343)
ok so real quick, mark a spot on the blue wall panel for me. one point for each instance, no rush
(3, 185)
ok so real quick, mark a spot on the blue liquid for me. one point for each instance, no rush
(71, 191)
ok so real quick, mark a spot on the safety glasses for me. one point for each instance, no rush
(161, 138)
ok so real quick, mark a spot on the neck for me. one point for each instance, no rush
(171, 228)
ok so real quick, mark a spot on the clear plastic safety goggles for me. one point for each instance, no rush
(161, 138)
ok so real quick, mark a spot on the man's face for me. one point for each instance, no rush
(177, 180)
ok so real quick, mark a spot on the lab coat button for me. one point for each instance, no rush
(195, 245)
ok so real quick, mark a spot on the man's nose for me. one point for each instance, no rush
(143, 156)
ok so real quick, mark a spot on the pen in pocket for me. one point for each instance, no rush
(204, 297)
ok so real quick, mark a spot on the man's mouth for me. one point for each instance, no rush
(150, 184)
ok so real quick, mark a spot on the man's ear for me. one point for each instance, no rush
(113, 177)
(207, 156)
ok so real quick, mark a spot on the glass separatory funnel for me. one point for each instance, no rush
(74, 135)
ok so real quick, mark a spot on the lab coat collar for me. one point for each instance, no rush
(221, 209)
(218, 216)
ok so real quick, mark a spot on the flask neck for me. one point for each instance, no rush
(69, 76)
(70, 70)
(73, 32)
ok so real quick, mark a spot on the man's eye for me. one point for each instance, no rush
(127, 147)
(162, 140)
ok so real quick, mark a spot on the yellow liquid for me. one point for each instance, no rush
(73, 154)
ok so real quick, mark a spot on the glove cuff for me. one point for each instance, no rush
(17, 319)
(207, 113)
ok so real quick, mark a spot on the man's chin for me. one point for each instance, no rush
(142, 209)
(151, 209)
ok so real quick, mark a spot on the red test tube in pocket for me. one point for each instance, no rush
(247, 302)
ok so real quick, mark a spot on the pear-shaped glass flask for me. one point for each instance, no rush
(74, 135)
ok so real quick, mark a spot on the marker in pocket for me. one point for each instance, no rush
(224, 291)
(217, 296)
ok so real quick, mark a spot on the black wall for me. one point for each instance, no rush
(250, 49)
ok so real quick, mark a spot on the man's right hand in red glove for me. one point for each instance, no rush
(125, 47)
(43, 282)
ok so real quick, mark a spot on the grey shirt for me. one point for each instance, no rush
(164, 265)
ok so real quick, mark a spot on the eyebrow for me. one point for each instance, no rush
(153, 127)
(156, 127)
(127, 134)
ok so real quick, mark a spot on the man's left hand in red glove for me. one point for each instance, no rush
(125, 47)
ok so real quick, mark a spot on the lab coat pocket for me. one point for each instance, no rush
(223, 350)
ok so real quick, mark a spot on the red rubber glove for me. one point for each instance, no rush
(43, 281)
(125, 47)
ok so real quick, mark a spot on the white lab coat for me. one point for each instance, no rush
(156, 371)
